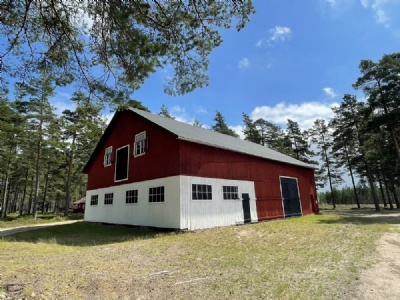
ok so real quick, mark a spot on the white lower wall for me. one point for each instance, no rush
(164, 214)
(199, 214)
(178, 211)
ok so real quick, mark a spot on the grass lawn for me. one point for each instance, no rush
(313, 257)
(14, 220)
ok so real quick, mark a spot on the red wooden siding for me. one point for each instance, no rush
(161, 158)
(204, 161)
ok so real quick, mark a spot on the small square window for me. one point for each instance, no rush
(94, 200)
(131, 196)
(108, 198)
(156, 194)
(230, 192)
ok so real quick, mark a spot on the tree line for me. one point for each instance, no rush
(41, 153)
(361, 139)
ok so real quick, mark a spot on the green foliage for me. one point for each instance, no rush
(126, 40)
(250, 130)
(221, 126)
(165, 112)
(299, 143)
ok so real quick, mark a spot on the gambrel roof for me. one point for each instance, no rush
(203, 136)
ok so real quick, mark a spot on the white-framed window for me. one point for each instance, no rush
(94, 200)
(108, 157)
(140, 142)
(156, 194)
(201, 192)
(108, 198)
(230, 192)
(131, 196)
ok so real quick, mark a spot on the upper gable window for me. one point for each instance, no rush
(107, 156)
(140, 140)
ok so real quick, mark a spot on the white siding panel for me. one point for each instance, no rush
(199, 214)
(179, 210)
(143, 213)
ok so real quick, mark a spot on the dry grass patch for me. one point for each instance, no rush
(314, 257)
(14, 220)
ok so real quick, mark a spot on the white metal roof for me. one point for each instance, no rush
(218, 140)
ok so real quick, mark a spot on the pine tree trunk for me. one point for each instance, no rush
(30, 197)
(45, 192)
(69, 175)
(4, 206)
(388, 195)
(21, 209)
(352, 181)
(396, 198)
(38, 154)
(382, 193)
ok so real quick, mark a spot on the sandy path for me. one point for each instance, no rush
(382, 281)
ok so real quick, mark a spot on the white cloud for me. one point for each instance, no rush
(238, 129)
(60, 106)
(304, 114)
(200, 110)
(244, 63)
(279, 33)
(330, 92)
(331, 2)
(364, 3)
(381, 9)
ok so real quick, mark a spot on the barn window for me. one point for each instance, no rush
(140, 141)
(131, 196)
(108, 157)
(201, 192)
(108, 198)
(122, 163)
(94, 200)
(230, 192)
(156, 194)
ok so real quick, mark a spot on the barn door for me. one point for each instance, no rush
(246, 208)
(121, 165)
(290, 197)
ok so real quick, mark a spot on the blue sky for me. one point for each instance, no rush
(294, 59)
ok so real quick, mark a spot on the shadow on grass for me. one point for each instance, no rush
(83, 234)
(45, 217)
(363, 219)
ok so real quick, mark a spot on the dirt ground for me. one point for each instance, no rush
(382, 280)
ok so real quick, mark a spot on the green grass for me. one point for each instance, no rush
(14, 220)
(313, 257)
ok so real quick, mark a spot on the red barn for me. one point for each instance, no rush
(153, 171)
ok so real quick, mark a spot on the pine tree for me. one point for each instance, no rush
(82, 129)
(250, 130)
(323, 140)
(273, 137)
(40, 117)
(300, 145)
(221, 127)
(165, 112)
(380, 83)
